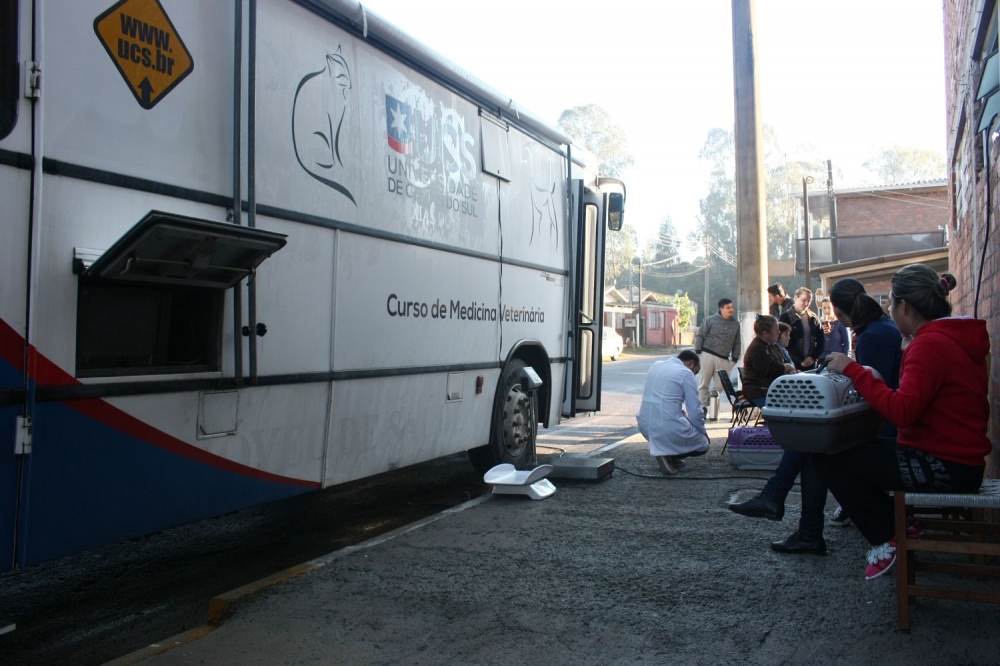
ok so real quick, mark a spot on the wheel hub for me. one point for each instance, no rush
(517, 421)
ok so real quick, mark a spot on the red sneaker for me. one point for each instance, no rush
(880, 559)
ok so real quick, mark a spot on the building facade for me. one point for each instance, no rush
(972, 75)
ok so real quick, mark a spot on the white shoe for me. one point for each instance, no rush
(665, 465)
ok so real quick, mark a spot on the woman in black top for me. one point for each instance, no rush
(763, 361)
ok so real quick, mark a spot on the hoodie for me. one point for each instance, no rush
(941, 405)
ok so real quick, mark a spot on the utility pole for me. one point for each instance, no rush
(805, 223)
(751, 237)
(642, 329)
(708, 267)
(631, 300)
(835, 251)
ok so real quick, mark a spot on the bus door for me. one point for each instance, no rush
(588, 295)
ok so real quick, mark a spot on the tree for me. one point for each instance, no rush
(783, 204)
(901, 164)
(685, 309)
(665, 248)
(618, 255)
(592, 126)
(717, 217)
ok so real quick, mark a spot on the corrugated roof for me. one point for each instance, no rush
(917, 185)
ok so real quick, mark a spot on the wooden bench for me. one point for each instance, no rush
(964, 524)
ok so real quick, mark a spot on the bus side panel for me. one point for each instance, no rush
(381, 424)
(15, 195)
(14, 183)
(87, 215)
(346, 133)
(93, 119)
(534, 212)
(9, 465)
(295, 300)
(533, 308)
(402, 306)
(93, 483)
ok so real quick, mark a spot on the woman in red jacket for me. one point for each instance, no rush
(940, 407)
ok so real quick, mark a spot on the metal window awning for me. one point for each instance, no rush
(989, 84)
(990, 80)
(989, 112)
(172, 249)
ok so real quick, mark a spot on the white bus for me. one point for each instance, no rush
(257, 248)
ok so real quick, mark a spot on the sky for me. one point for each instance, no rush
(848, 77)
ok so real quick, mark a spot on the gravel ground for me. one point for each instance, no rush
(637, 569)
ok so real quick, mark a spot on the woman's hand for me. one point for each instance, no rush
(836, 362)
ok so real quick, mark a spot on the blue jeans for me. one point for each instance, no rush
(778, 486)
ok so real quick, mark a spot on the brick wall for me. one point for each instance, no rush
(882, 212)
(967, 188)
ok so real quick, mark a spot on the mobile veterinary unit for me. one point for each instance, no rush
(257, 248)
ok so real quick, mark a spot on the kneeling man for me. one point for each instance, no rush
(670, 390)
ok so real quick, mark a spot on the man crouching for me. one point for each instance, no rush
(670, 390)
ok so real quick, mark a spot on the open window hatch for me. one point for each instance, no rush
(153, 302)
(171, 249)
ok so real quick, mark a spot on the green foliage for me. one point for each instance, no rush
(592, 126)
(685, 307)
(618, 254)
(782, 185)
(689, 278)
(717, 218)
(783, 206)
(900, 164)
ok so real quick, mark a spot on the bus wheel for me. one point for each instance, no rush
(514, 426)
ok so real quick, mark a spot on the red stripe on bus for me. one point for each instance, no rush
(47, 373)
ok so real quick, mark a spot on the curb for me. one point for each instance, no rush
(225, 605)
(159, 648)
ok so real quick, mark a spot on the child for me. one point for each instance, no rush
(783, 338)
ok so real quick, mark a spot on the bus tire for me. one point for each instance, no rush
(514, 425)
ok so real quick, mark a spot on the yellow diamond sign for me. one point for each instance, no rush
(143, 43)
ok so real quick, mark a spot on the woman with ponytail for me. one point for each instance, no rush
(878, 345)
(940, 407)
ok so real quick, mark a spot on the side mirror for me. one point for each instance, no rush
(616, 211)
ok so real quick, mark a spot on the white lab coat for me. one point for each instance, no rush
(662, 422)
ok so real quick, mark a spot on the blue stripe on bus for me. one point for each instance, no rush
(91, 485)
(88, 484)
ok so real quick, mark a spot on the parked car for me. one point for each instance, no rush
(611, 344)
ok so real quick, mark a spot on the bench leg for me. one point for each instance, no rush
(903, 563)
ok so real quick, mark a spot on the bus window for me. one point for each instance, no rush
(153, 302)
(9, 74)
(126, 329)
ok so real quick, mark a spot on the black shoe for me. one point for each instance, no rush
(796, 543)
(761, 506)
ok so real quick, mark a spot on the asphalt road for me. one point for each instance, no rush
(94, 606)
(640, 568)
